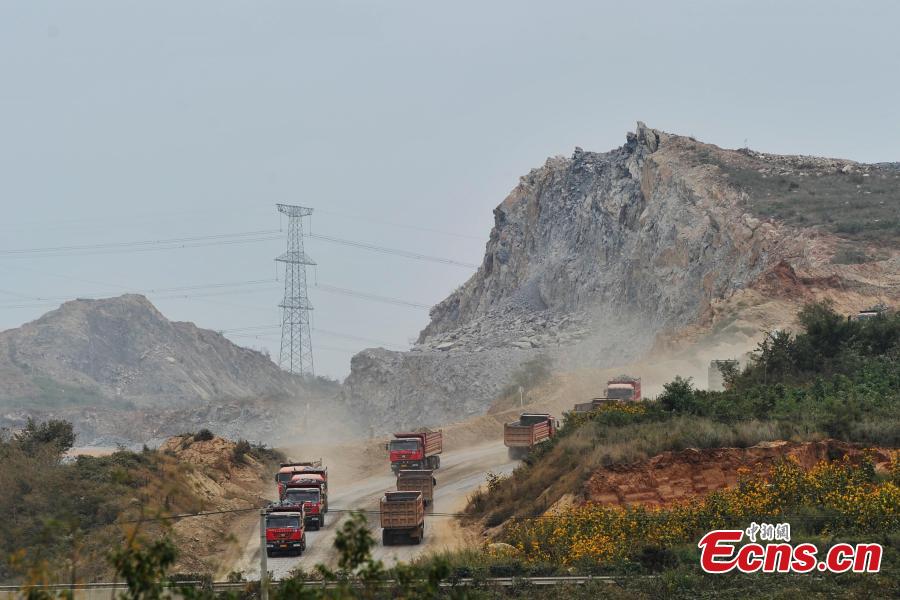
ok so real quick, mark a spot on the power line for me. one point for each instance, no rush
(220, 237)
(346, 336)
(646, 517)
(386, 299)
(173, 293)
(182, 288)
(369, 219)
(392, 251)
(166, 296)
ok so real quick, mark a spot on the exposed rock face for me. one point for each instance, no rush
(590, 259)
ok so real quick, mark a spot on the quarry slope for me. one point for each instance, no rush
(663, 245)
(123, 373)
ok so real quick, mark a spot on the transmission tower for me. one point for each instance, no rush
(296, 344)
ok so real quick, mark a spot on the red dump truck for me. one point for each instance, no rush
(285, 530)
(624, 387)
(310, 499)
(531, 429)
(309, 480)
(416, 450)
(402, 517)
(289, 469)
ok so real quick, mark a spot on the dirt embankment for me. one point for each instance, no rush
(678, 475)
(219, 481)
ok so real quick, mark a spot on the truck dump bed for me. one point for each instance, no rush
(517, 435)
(402, 510)
(417, 480)
(432, 441)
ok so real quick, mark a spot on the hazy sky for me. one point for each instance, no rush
(131, 121)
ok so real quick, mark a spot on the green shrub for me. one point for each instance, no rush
(241, 449)
(204, 435)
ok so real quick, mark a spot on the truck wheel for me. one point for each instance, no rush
(385, 538)
(269, 553)
(437, 462)
(303, 544)
(321, 521)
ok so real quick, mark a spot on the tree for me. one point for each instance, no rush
(144, 567)
(678, 395)
(56, 435)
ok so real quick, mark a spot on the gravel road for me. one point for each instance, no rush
(461, 472)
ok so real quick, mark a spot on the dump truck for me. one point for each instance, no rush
(417, 480)
(594, 404)
(310, 500)
(402, 517)
(285, 530)
(624, 387)
(309, 480)
(416, 450)
(531, 429)
(289, 469)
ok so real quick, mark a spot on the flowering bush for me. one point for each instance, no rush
(831, 497)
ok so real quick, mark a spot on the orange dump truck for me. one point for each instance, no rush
(402, 517)
(417, 480)
(531, 429)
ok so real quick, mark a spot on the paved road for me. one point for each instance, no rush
(461, 472)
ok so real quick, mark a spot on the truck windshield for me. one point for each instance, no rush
(285, 477)
(282, 522)
(404, 445)
(620, 393)
(300, 496)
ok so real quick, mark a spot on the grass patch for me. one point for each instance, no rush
(857, 207)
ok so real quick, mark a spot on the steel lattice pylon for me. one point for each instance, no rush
(296, 344)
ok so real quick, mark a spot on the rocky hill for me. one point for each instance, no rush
(123, 373)
(598, 258)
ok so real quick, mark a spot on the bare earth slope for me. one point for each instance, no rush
(673, 476)
(598, 258)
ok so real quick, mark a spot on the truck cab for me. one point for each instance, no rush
(309, 499)
(309, 480)
(415, 450)
(285, 531)
(624, 388)
(406, 450)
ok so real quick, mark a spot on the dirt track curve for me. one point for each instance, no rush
(461, 472)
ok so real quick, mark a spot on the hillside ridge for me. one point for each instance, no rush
(598, 258)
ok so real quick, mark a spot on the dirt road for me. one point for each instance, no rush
(461, 472)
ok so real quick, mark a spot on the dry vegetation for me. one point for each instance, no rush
(62, 516)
